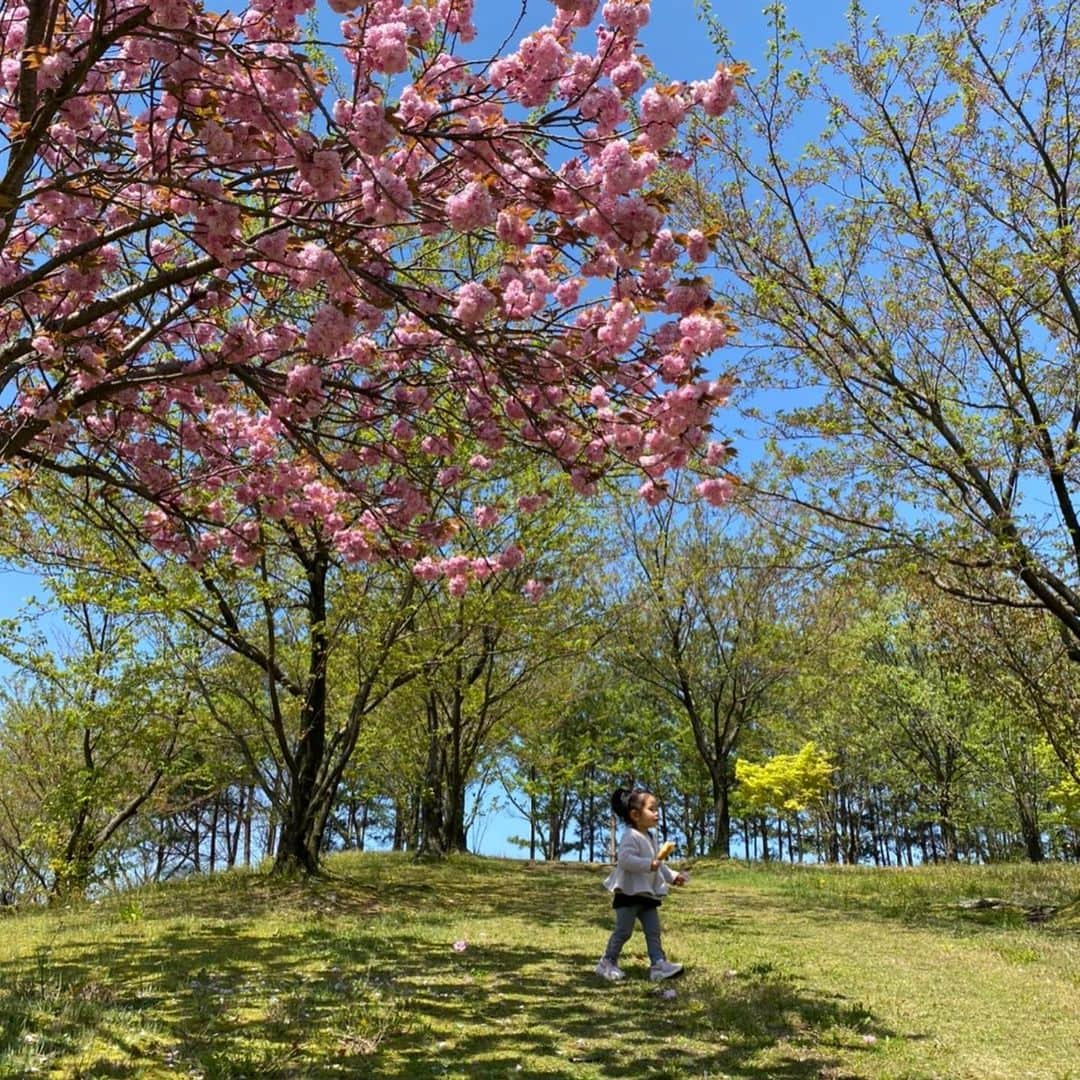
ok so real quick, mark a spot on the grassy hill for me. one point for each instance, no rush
(791, 973)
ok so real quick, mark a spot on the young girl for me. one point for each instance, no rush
(639, 881)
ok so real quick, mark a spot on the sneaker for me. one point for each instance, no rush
(607, 970)
(664, 969)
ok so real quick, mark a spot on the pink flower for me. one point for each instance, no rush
(531, 74)
(715, 492)
(470, 208)
(566, 292)
(473, 303)
(629, 77)
(368, 129)
(354, 545)
(303, 380)
(457, 14)
(582, 10)
(621, 327)
(323, 172)
(460, 946)
(652, 492)
(621, 170)
(427, 569)
(715, 454)
(45, 346)
(534, 589)
(486, 516)
(385, 47)
(673, 366)
(511, 557)
(529, 504)
(331, 330)
(662, 110)
(626, 15)
(715, 95)
(697, 247)
(513, 228)
(701, 334)
(170, 14)
(483, 568)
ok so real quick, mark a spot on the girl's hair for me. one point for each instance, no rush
(624, 800)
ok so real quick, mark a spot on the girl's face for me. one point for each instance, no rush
(645, 816)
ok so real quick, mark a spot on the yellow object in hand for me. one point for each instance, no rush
(666, 848)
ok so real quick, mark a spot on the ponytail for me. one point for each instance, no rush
(620, 803)
(624, 800)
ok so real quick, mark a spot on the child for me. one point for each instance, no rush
(639, 881)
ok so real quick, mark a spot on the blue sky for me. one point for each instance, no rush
(675, 39)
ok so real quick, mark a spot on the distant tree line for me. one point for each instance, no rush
(779, 708)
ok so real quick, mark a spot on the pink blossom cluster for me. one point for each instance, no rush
(170, 14)
(459, 570)
(470, 208)
(247, 296)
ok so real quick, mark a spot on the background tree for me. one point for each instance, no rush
(703, 626)
(787, 785)
(486, 654)
(913, 271)
(89, 738)
(288, 656)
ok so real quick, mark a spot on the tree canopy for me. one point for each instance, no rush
(913, 271)
(240, 267)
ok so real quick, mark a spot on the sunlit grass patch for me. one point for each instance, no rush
(941, 892)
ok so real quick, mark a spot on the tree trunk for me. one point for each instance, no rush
(592, 819)
(234, 842)
(431, 840)
(361, 838)
(532, 813)
(1029, 829)
(721, 839)
(302, 820)
(214, 814)
(948, 830)
(851, 824)
(297, 850)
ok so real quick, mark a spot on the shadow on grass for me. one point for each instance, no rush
(228, 1007)
(338, 992)
(520, 1006)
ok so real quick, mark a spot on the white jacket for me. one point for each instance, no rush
(632, 874)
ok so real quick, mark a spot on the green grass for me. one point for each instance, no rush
(799, 972)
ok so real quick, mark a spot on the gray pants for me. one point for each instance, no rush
(624, 927)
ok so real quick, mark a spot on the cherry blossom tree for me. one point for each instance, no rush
(249, 276)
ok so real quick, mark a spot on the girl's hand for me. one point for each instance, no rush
(680, 879)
